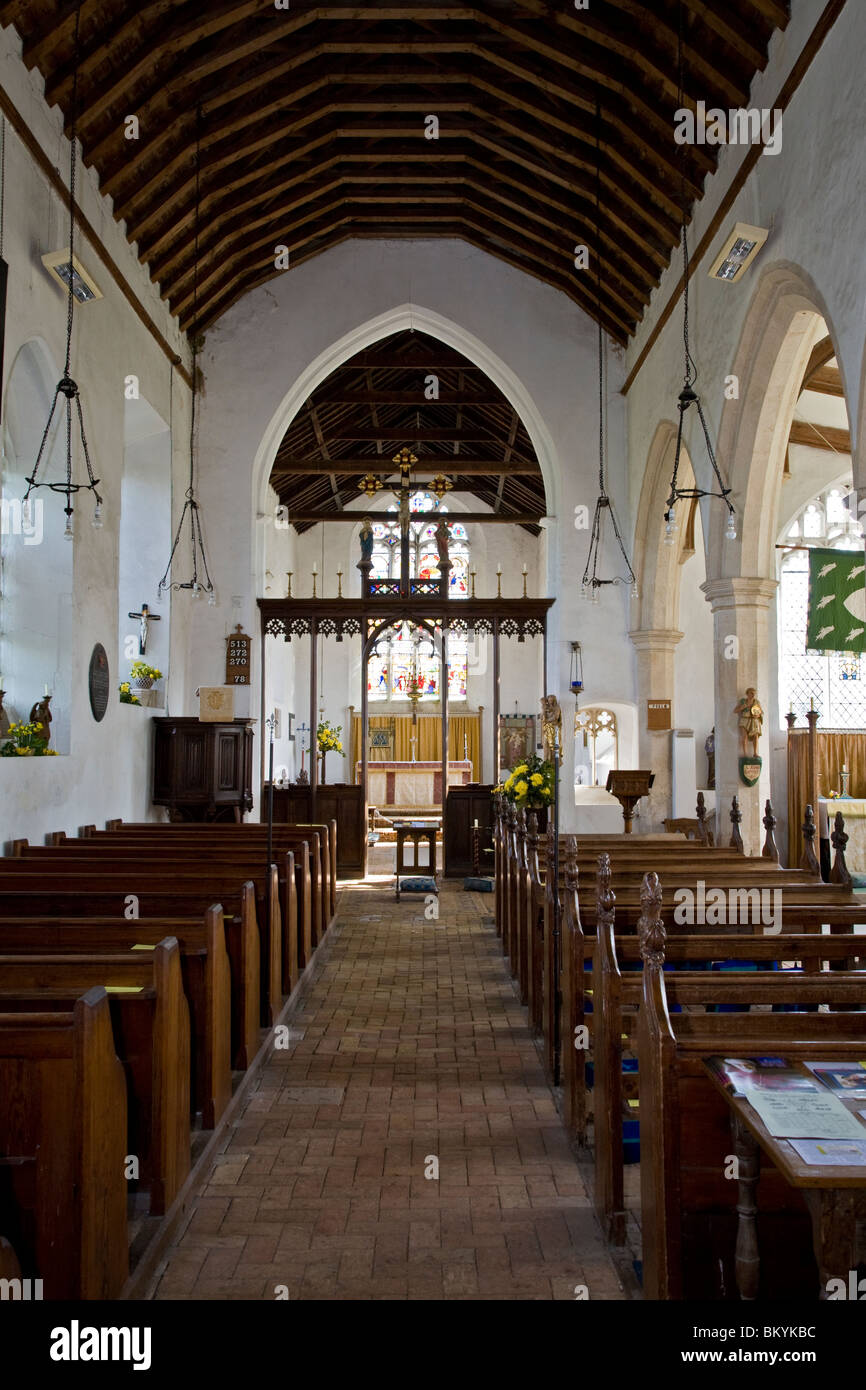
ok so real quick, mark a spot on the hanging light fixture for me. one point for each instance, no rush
(592, 581)
(200, 580)
(688, 397)
(66, 387)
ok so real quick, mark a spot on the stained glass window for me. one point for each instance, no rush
(389, 673)
(836, 681)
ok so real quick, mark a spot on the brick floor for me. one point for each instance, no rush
(414, 1053)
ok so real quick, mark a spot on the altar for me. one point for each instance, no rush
(408, 786)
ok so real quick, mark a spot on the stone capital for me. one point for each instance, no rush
(655, 639)
(739, 591)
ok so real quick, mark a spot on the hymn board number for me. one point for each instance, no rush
(238, 658)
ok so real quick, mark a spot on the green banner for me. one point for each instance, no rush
(837, 601)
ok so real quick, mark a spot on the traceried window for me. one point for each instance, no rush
(836, 681)
(391, 666)
(595, 746)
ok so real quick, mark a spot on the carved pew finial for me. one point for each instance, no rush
(570, 862)
(839, 839)
(808, 862)
(770, 851)
(605, 898)
(701, 813)
(736, 817)
(650, 928)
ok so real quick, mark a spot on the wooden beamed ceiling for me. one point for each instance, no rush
(312, 129)
(376, 404)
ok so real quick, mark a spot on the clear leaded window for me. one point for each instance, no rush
(836, 681)
(390, 668)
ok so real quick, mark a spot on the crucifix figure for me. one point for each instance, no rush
(145, 617)
(412, 741)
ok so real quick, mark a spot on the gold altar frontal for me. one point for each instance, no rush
(407, 786)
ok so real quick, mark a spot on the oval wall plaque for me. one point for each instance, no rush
(98, 681)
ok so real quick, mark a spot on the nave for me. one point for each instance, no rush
(409, 1043)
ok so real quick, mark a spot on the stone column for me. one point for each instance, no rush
(740, 607)
(655, 649)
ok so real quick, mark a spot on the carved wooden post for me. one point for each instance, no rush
(532, 894)
(808, 862)
(839, 839)
(605, 898)
(497, 857)
(650, 928)
(573, 1051)
(515, 944)
(701, 812)
(511, 876)
(747, 1260)
(736, 817)
(770, 851)
(548, 948)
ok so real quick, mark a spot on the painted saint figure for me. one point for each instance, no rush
(366, 538)
(751, 721)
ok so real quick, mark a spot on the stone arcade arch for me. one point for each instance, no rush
(778, 335)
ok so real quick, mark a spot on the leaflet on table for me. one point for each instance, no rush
(806, 1115)
(747, 1074)
(848, 1078)
(836, 1153)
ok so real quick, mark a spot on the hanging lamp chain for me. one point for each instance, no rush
(591, 582)
(67, 387)
(191, 507)
(688, 395)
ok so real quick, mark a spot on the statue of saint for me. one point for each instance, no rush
(551, 726)
(442, 539)
(41, 714)
(366, 538)
(751, 721)
(710, 750)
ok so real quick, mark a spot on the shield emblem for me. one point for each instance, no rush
(750, 770)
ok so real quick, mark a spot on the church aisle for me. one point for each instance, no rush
(409, 1045)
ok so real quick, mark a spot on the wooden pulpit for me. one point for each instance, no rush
(628, 787)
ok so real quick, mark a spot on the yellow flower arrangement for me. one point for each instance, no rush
(530, 785)
(26, 741)
(328, 737)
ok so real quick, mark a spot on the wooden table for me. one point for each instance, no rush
(414, 831)
(835, 1196)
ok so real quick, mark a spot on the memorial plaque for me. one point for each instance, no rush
(238, 658)
(98, 679)
(658, 714)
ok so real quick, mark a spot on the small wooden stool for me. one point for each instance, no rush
(415, 831)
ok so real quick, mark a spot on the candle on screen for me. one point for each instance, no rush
(844, 767)
(476, 825)
(499, 568)
(45, 691)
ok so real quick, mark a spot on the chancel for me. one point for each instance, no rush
(445, 881)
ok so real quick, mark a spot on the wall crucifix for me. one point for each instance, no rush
(145, 617)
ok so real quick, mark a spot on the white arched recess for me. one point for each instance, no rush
(780, 329)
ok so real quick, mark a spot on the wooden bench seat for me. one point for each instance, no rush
(150, 1022)
(63, 1137)
(76, 900)
(688, 1205)
(206, 974)
(163, 875)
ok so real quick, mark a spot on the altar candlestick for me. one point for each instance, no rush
(499, 581)
(525, 572)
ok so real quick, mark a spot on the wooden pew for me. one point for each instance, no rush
(322, 839)
(151, 1031)
(615, 992)
(63, 1120)
(71, 900)
(88, 870)
(300, 899)
(688, 1221)
(206, 982)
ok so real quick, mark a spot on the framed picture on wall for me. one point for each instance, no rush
(516, 740)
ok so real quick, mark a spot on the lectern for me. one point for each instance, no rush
(628, 788)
